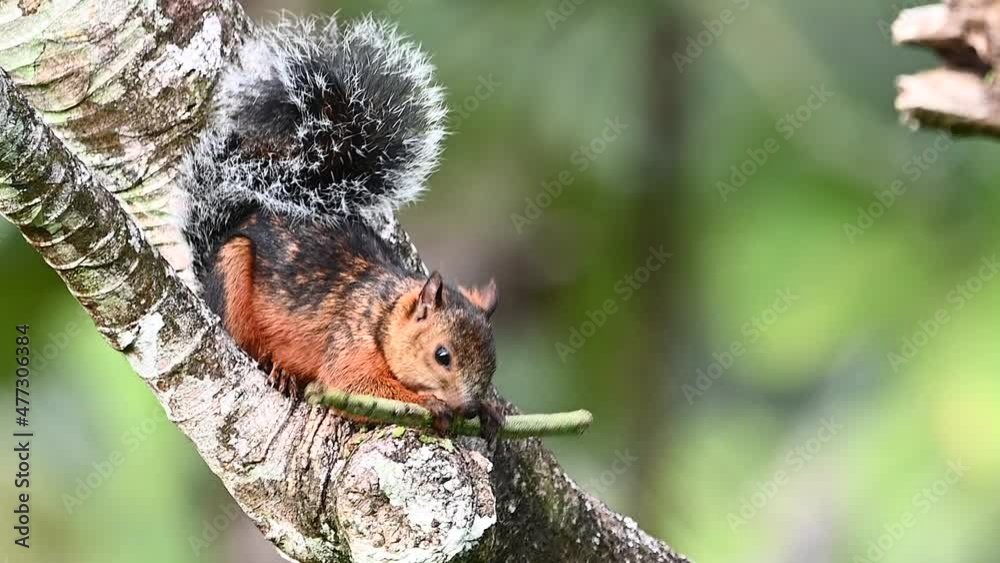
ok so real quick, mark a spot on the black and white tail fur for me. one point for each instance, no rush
(314, 123)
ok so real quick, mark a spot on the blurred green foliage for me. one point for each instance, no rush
(736, 467)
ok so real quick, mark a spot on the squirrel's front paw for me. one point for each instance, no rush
(441, 414)
(491, 419)
(283, 381)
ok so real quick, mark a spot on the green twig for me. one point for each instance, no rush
(416, 416)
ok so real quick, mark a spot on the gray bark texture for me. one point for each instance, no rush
(962, 95)
(98, 100)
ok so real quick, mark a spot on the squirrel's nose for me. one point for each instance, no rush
(470, 409)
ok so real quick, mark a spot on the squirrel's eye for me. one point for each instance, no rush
(442, 356)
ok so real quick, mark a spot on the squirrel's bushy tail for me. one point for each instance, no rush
(315, 123)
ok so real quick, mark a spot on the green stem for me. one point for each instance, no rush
(416, 416)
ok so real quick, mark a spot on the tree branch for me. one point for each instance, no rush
(962, 96)
(124, 86)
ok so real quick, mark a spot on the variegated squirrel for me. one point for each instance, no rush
(316, 134)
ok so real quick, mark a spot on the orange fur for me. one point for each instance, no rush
(260, 325)
(235, 264)
(365, 371)
(297, 343)
(366, 337)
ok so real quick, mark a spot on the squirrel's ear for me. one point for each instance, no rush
(485, 298)
(431, 296)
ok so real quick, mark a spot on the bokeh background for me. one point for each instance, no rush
(811, 375)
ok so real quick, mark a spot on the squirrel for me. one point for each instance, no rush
(317, 133)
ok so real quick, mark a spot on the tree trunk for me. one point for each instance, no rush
(121, 87)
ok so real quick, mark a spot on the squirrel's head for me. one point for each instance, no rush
(440, 342)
